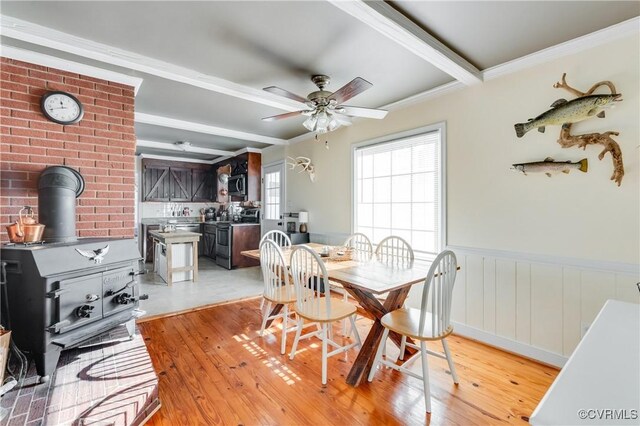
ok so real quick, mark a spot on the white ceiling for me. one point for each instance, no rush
(259, 44)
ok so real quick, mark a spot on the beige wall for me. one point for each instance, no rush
(582, 216)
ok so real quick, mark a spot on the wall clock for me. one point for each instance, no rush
(61, 107)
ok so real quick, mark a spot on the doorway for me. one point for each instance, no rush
(273, 190)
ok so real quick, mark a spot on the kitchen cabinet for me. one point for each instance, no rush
(164, 180)
(202, 185)
(245, 237)
(148, 241)
(250, 165)
(209, 240)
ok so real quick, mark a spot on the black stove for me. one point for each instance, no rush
(61, 294)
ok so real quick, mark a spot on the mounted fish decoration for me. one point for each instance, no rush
(549, 166)
(563, 111)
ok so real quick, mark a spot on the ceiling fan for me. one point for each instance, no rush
(325, 111)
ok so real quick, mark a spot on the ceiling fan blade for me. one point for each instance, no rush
(285, 115)
(362, 112)
(351, 89)
(287, 94)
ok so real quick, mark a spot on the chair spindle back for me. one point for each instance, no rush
(311, 282)
(274, 270)
(439, 282)
(279, 237)
(360, 244)
(394, 249)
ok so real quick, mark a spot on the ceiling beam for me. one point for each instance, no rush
(158, 120)
(70, 66)
(47, 37)
(173, 147)
(394, 25)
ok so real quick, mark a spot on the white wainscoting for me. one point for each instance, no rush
(538, 306)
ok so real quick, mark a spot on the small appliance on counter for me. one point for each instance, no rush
(250, 215)
(210, 214)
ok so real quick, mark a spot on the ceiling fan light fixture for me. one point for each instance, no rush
(310, 123)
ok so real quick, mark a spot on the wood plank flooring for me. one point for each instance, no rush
(214, 368)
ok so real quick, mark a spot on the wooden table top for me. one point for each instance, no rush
(175, 236)
(368, 275)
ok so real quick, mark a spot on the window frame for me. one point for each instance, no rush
(442, 128)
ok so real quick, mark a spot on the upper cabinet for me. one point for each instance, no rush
(248, 167)
(176, 181)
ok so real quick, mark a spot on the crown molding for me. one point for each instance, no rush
(70, 66)
(181, 159)
(167, 146)
(395, 26)
(43, 36)
(579, 44)
(157, 120)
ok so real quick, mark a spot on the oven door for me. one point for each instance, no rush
(79, 302)
(237, 185)
(223, 241)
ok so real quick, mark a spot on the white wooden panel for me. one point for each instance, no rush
(506, 298)
(546, 307)
(489, 285)
(596, 288)
(627, 289)
(475, 290)
(571, 331)
(523, 302)
(458, 304)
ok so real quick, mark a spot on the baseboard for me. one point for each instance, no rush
(509, 345)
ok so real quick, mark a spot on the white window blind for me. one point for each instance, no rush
(272, 195)
(398, 189)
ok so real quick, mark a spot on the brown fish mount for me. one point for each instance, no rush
(567, 140)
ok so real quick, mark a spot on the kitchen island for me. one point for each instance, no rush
(169, 239)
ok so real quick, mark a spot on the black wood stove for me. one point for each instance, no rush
(58, 297)
(64, 291)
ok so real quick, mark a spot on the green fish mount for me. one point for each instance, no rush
(566, 139)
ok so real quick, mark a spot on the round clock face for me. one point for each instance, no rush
(61, 107)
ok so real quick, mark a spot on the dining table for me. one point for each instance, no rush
(366, 279)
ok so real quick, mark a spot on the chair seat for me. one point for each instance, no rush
(280, 295)
(406, 321)
(339, 310)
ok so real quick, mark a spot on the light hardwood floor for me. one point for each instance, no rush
(215, 369)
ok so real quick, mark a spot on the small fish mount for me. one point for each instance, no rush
(566, 113)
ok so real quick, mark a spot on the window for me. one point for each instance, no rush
(398, 189)
(272, 195)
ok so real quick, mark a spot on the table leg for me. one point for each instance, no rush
(195, 261)
(169, 264)
(364, 360)
(275, 311)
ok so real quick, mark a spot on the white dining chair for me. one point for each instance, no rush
(279, 237)
(315, 305)
(429, 323)
(278, 288)
(393, 249)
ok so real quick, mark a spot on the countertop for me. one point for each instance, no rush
(188, 221)
(175, 236)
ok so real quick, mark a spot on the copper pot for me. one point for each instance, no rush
(15, 233)
(33, 232)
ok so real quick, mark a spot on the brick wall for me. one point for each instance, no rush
(101, 147)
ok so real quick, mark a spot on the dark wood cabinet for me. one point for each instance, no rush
(202, 185)
(164, 180)
(148, 246)
(155, 182)
(245, 237)
(209, 239)
(250, 165)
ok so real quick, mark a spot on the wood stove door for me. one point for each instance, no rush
(79, 302)
(120, 290)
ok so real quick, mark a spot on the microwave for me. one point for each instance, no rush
(237, 185)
